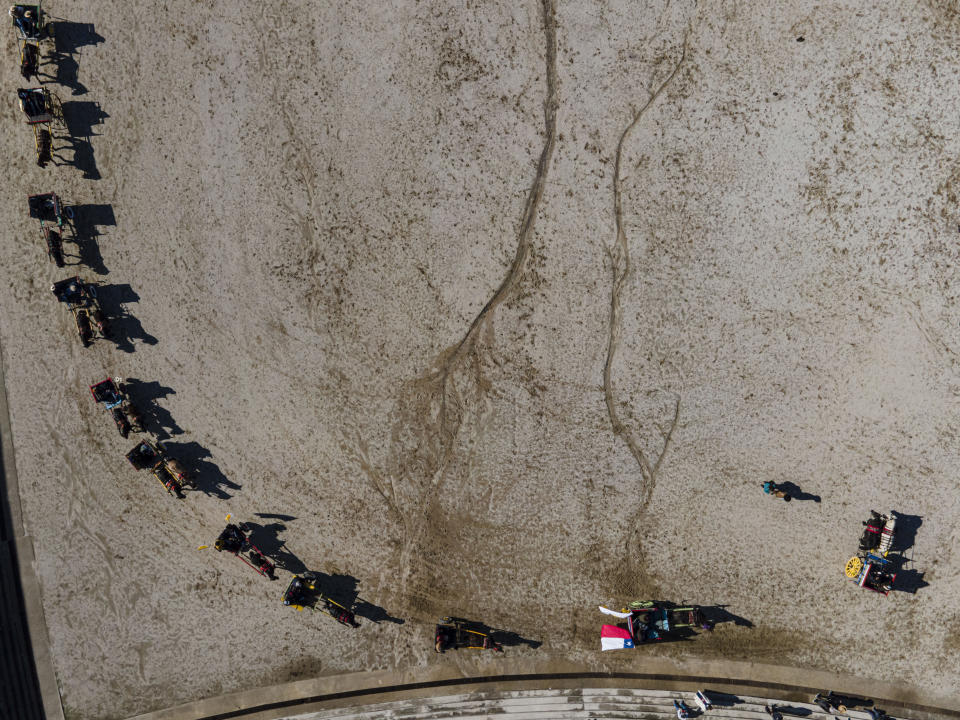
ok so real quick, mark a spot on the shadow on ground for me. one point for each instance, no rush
(267, 539)
(507, 638)
(69, 38)
(80, 118)
(205, 475)
(794, 491)
(124, 327)
(156, 418)
(343, 589)
(718, 614)
(85, 225)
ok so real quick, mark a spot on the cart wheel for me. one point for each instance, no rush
(854, 565)
(68, 211)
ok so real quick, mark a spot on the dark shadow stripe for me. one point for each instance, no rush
(19, 684)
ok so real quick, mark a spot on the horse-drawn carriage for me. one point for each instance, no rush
(112, 392)
(82, 300)
(234, 540)
(49, 210)
(41, 108)
(457, 633)
(302, 593)
(151, 456)
(871, 572)
(872, 566)
(648, 621)
(32, 27)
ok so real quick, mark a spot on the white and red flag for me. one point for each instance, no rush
(615, 638)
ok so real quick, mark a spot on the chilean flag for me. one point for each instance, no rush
(615, 638)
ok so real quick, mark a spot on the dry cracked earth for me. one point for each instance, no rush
(491, 309)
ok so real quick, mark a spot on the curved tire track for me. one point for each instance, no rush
(620, 267)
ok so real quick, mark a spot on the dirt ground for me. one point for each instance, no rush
(491, 309)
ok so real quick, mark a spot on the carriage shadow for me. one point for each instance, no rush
(124, 327)
(82, 116)
(205, 475)
(157, 419)
(909, 580)
(69, 36)
(718, 614)
(86, 219)
(794, 491)
(68, 71)
(906, 531)
(268, 541)
(343, 589)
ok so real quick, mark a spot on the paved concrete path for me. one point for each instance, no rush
(575, 704)
(355, 693)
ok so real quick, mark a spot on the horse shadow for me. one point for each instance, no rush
(80, 118)
(67, 71)
(84, 226)
(343, 589)
(717, 614)
(156, 417)
(268, 541)
(82, 157)
(67, 75)
(796, 493)
(205, 475)
(124, 327)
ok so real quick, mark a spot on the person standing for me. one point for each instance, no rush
(703, 702)
(771, 488)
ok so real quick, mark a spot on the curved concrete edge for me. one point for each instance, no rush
(36, 622)
(755, 679)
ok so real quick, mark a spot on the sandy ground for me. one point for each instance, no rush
(491, 333)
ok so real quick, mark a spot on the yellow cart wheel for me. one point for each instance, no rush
(854, 566)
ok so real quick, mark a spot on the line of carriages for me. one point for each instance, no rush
(43, 111)
(41, 108)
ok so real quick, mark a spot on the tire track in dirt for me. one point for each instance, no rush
(634, 574)
(434, 407)
(619, 256)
